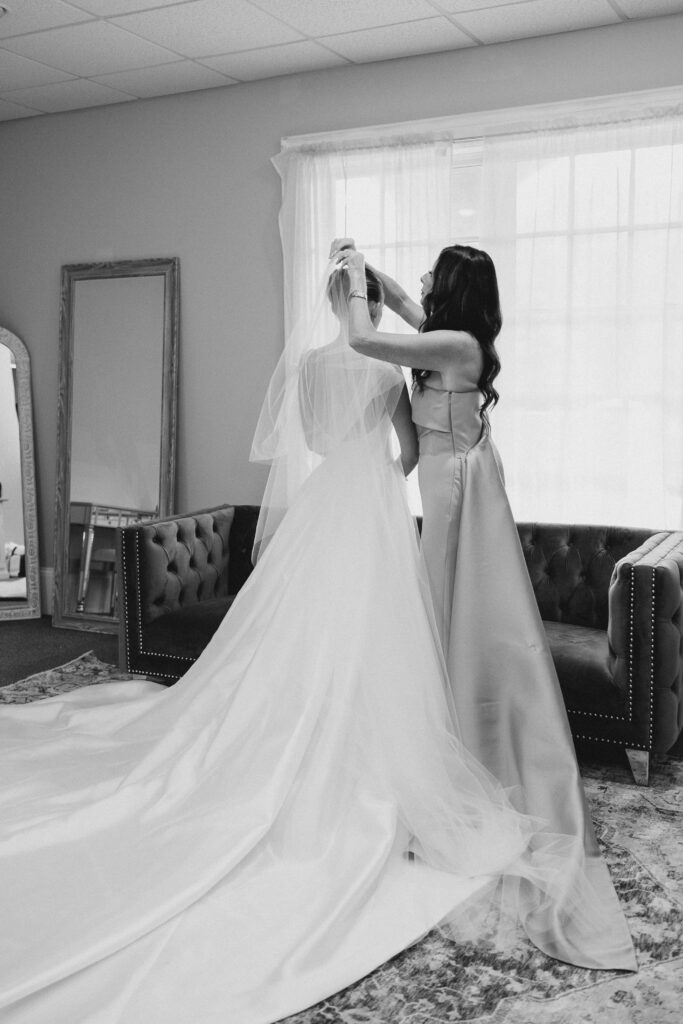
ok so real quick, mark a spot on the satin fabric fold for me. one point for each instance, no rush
(503, 681)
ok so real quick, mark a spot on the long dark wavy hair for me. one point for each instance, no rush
(374, 286)
(464, 297)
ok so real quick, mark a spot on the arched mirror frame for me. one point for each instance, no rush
(72, 273)
(28, 607)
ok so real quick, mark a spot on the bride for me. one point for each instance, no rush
(299, 807)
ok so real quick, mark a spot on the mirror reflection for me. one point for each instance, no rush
(117, 431)
(117, 325)
(19, 570)
(12, 546)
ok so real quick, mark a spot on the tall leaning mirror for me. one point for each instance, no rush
(119, 325)
(19, 570)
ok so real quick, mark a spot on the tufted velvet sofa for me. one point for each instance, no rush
(610, 598)
(178, 578)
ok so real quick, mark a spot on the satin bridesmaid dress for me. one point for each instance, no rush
(503, 680)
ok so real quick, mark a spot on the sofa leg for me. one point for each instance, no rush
(639, 761)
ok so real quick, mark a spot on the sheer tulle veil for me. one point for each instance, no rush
(322, 396)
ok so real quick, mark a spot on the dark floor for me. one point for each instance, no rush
(33, 645)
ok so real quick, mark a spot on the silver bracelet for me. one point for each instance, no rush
(358, 294)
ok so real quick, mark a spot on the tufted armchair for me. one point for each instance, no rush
(611, 600)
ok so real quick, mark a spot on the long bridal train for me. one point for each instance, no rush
(232, 847)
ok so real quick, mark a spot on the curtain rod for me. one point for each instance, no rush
(475, 125)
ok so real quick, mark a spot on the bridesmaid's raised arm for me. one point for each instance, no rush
(398, 300)
(444, 351)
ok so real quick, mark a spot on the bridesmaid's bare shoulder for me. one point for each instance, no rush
(465, 369)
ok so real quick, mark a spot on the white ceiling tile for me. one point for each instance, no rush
(110, 8)
(275, 60)
(536, 18)
(135, 47)
(95, 48)
(428, 36)
(20, 73)
(185, 76)
(327, 17)
(649, 8)
(11, 111)
(458, 6)
(206, 28)
(73, 95)
(34, 15)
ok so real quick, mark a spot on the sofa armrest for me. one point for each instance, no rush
(242, 535)
(645, 634)
(168, 564)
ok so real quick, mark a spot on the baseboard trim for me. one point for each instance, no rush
(47, 581)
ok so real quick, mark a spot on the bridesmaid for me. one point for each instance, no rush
(452, 392)
(503, 681)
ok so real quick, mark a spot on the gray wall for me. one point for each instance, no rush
(190, 176)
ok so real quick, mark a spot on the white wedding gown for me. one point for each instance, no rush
(295, 810)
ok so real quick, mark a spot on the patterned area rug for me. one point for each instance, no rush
(436, 982)
(82, 671)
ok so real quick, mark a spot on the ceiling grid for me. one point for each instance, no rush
(60, 55)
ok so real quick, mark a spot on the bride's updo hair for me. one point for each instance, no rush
(338, 284)
(464, 297)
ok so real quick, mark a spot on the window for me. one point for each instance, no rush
(585, 226)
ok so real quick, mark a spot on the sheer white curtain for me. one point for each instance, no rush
(390, 199)
(585, 226)
(393, 200)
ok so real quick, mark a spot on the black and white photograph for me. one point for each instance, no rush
(341, 511)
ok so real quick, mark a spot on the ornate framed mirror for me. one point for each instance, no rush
(19, 569)
(116, 436)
